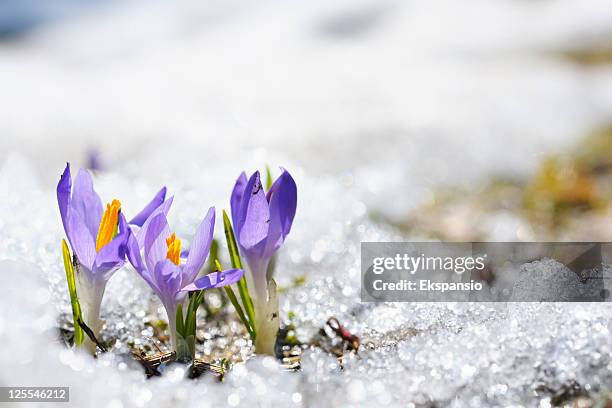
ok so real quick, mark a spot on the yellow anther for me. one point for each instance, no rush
(108, 224)
(174, 249)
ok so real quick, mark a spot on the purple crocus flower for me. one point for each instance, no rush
(98, 237)
(261, 224)
(162, 269)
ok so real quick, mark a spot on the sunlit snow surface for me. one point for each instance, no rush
(463, 354)
(368, 113)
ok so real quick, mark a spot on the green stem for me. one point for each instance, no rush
(236, 263)
(74, 300)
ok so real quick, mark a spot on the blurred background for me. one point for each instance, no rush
(402, 100)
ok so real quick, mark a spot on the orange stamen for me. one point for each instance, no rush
(108, 224)
(174, 249)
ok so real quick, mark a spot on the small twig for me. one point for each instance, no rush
(199, 367)
(91, 335)
(157, 347)
(150, 370)
(162, 358)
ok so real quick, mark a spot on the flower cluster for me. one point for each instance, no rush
(102, 240)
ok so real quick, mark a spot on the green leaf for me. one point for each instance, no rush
(231, 242)
(74, 300)
(199, 298)
(190, 307)
(191, 345)
(237, 263)
(190, 324)
(246, 300)
(186, 327)
(180, 326)
(185, 347)
(232, 297)
(190, 318)
(268, 178)
(213, 255)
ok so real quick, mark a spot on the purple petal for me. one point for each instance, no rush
(200, 247)
(86, 202)
(164, 208)
(133, 255)
(167, 277)
(142, 216)
(215, 280)
(155, 248)
(254, 214)
(112, 255)
(63, 196)
(236, 199)
(283, 203)
(81, 240)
